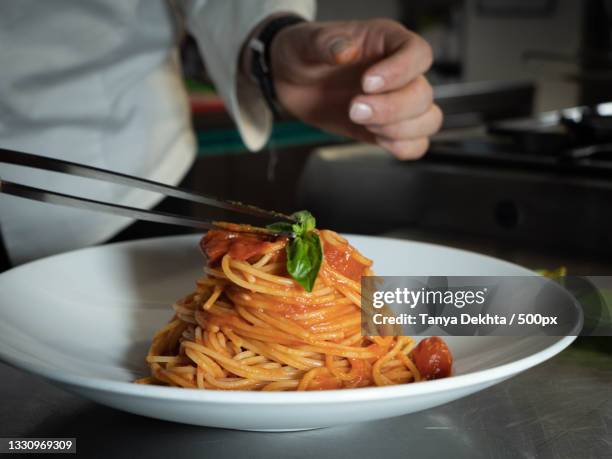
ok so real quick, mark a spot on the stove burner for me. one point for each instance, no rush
(575, 140)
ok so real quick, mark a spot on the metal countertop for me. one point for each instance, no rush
(560, 409)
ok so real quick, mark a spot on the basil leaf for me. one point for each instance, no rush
(304, 252)
(304, 257)
(281, 226)
(305, 220)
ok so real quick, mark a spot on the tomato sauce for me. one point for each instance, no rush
(325, 382)
(359, 373)
(432, 358)
(340, 259)
(240, 246)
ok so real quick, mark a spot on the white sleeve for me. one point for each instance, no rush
(221, 27)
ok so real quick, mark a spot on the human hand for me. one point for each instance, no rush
(361, 79)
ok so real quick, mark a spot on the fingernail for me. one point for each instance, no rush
(360, 112)
(373, 83)
(339, 45)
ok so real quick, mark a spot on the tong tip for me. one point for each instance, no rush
(243, 228)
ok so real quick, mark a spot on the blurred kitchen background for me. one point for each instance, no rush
(521, 169)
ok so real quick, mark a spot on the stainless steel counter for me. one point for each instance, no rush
(560, 409)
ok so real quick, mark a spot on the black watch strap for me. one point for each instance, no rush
(261, 70)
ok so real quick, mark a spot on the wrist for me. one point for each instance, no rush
(256, 58)
(246, 54)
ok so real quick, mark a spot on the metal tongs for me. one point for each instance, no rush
(82, 170)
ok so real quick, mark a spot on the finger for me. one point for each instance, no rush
(343, 51)
(324, 45)
(405, 149)
(411, 101)
(409, 55)
(423, 126)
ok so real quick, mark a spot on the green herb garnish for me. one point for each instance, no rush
(304, 251)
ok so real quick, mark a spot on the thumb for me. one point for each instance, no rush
(330, 49)
(341, 50)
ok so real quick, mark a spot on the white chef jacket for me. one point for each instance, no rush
(98, 82)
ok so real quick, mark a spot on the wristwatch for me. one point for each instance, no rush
(261, 71)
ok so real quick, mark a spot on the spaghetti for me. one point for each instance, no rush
(249, 326)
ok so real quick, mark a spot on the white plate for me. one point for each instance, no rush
(84, 320)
